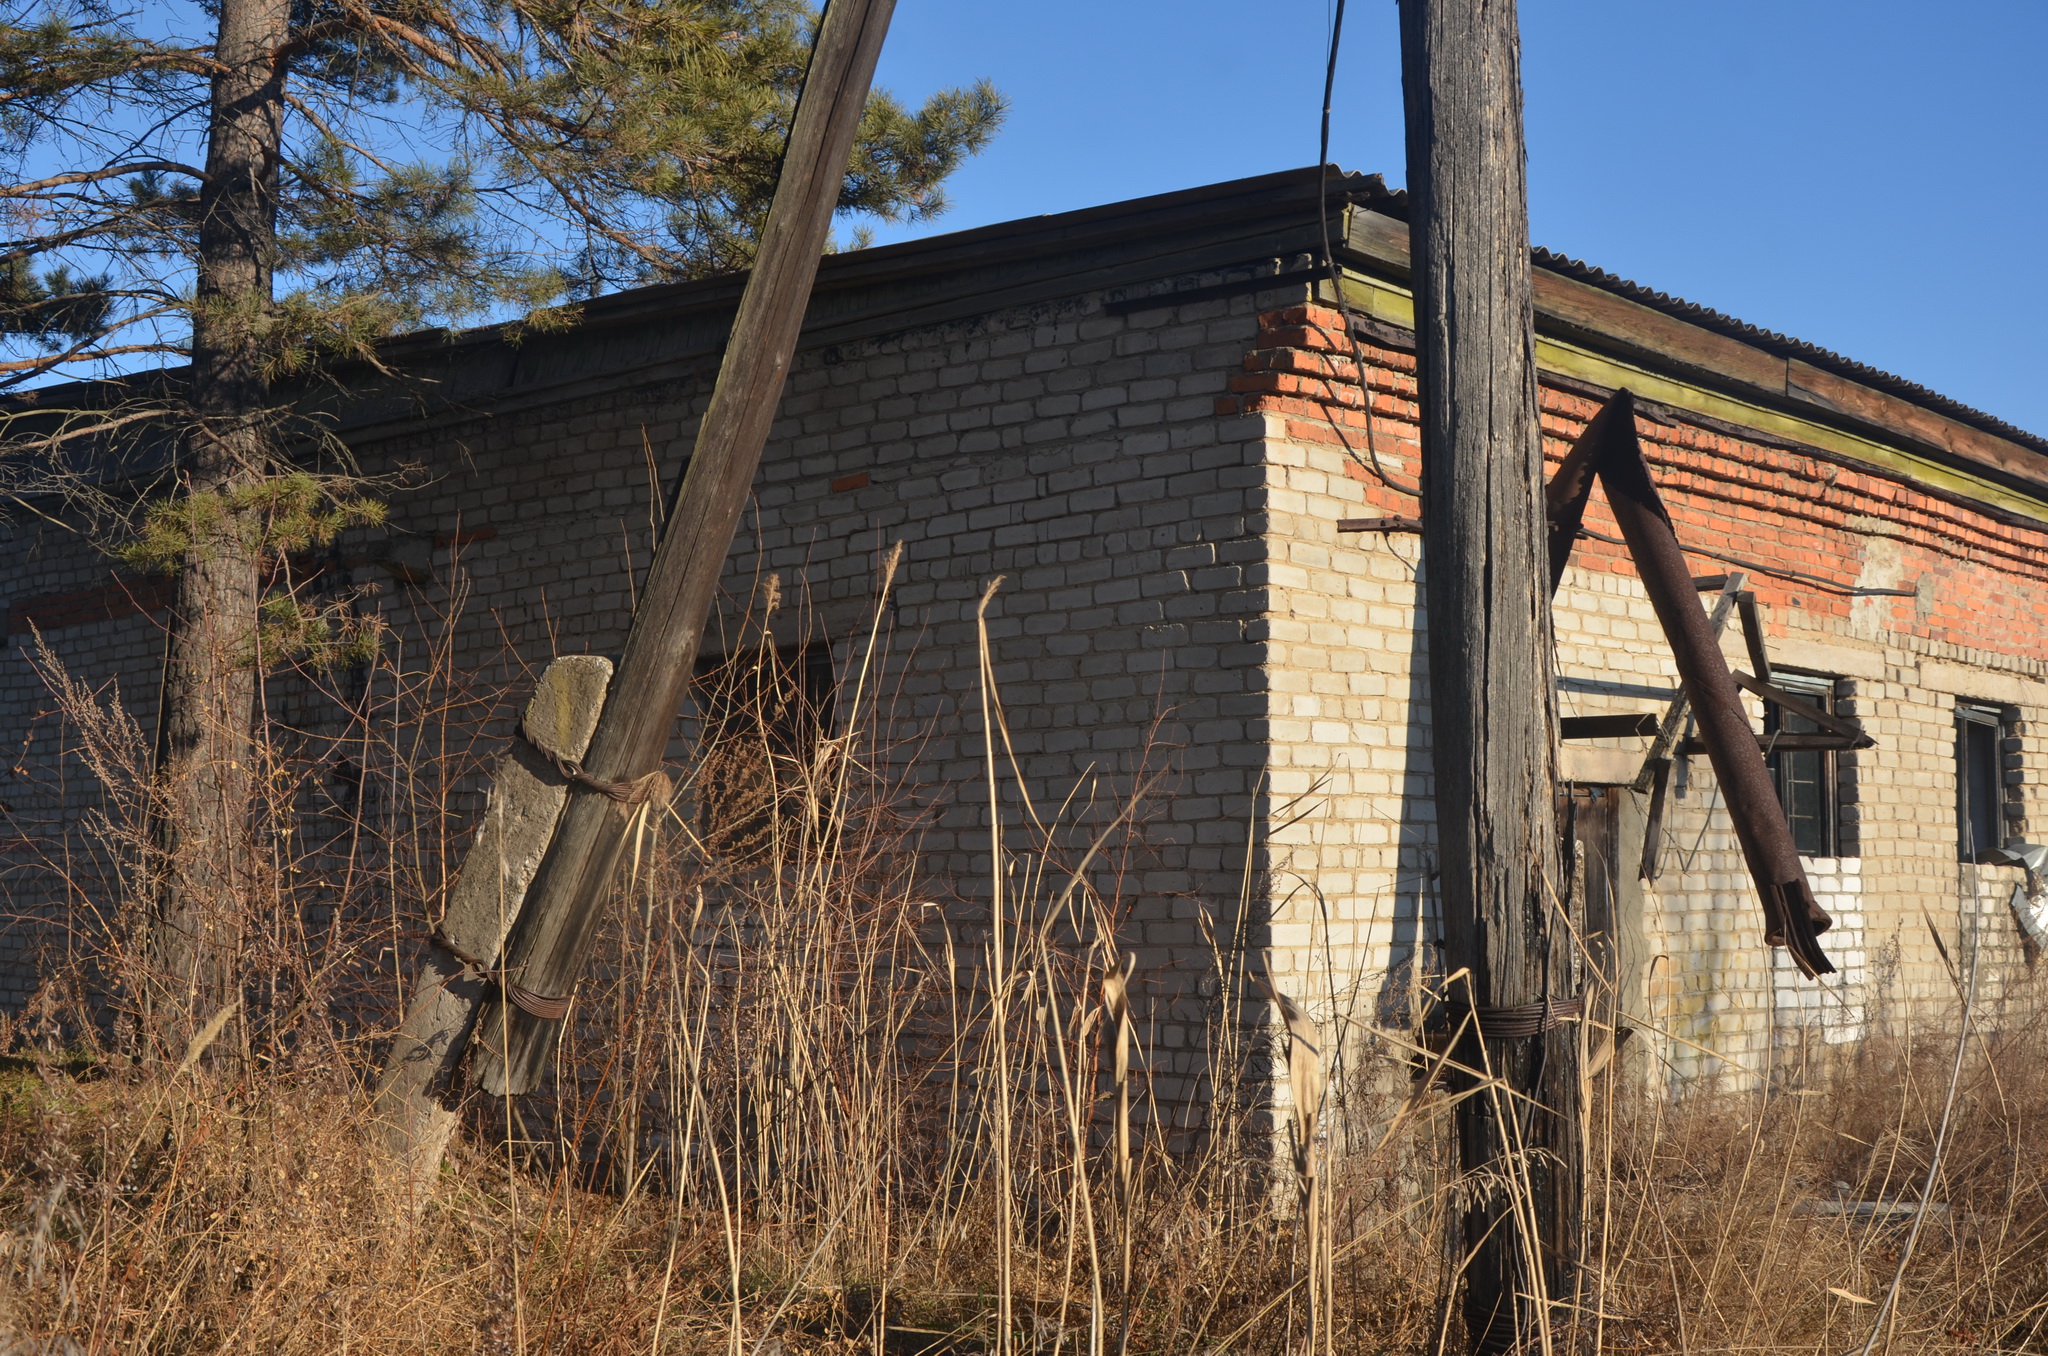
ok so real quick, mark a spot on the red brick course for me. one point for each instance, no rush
(1982, 576)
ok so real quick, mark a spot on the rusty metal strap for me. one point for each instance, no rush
(441, 939)
(1529, 1019)
(526, 1000)
(653, 787)
(536, 1004)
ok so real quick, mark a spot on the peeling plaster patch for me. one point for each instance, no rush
(1883, 565)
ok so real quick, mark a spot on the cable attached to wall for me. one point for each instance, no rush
(1813, 581)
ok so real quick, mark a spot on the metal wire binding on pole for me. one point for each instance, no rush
(526, 1000)
(1527, 1019)
(655, 786)
(1336, 277)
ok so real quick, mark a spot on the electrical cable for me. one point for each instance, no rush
(1372, 455)
(1810, 580)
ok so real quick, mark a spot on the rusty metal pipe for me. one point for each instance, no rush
(1610, 448)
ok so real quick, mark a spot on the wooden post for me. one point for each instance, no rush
(418, 1090)
(552, 939)
(1492, 710)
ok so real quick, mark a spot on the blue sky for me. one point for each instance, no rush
(1869, 176)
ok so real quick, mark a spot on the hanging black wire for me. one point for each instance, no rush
(1323, 168)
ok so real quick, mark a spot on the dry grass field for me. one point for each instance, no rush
(814, 1104)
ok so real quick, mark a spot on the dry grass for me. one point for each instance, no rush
(1734, 1223)
(816, 1103)
(150, 1214)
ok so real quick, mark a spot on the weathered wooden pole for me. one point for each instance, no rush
(1492, 713)
(552, 939)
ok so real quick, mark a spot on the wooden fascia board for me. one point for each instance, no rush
(1587, 321)
(1852, 400)
(1268, 204)
(860, 294)
(1568, 360)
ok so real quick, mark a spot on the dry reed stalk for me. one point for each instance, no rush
(1078, 1202)
(1116, 1010)
(999, 980)
(1307, 1083)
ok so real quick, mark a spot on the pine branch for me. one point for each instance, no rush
(40, 186)
(14, 373)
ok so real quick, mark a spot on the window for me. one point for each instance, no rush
(1980, 809)
(764, 711)
(1805, 777)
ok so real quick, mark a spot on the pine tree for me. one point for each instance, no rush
(290, 182)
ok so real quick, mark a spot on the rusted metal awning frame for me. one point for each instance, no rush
(1610, 451)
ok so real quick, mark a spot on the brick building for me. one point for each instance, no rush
(1147, 419)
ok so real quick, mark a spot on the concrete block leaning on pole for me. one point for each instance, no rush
(418, 1090)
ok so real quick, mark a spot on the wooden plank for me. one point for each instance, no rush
(1789, 743)
(1607, 727)
(1753, 634)
(1857, 447)
(1674, 715)
(1581, 311)
(1840, 395)
(1593, 318)
(1793, 702)
(1591, 315)
(690, 331)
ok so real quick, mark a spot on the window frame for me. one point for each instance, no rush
(1980, 726)
(752, 771)
(1818, 688)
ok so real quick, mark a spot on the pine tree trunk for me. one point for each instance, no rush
(205, 763)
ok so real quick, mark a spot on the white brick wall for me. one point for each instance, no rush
(1175, 596)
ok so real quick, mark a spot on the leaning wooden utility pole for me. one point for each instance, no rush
(1492, 713)
(619, 778)
(552, 939)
